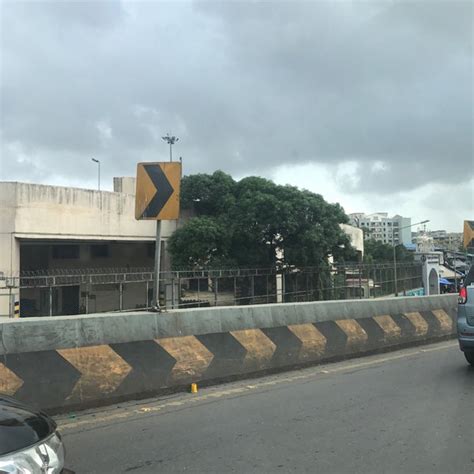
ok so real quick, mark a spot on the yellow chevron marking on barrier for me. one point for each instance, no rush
(9, 381)
(192, 357)
(390, 329)
(85, 419)
(354, 332)
(260, 348)
(419, 322)
(445, 321)
(102, 370)
(314, 342)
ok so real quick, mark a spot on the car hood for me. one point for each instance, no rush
(21, 426)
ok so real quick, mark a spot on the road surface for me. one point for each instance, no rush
(406, 411)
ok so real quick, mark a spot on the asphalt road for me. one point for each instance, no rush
(407, 411)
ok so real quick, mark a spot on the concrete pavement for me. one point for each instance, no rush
(406, 411)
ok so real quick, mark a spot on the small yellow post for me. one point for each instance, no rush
(194, 388)
(16, 309)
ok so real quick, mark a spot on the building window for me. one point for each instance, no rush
(65, 251)
(99, 251)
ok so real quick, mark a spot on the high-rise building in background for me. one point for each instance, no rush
(388, 230)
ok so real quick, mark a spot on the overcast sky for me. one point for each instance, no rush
(368, 103)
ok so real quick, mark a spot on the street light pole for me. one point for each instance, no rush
(98, 171)
(171, 140)
(395, 253)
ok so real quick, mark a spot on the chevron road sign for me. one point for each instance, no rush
(157, 192)
(157, 198)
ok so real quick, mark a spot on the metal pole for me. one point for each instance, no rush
(235, 291)
(395, 269)
(121, 296)
(198, 287)
(50, 300)
(215, 290)
(360, 283)
(171, 152)
(172, 293)
(455, 275)
(98, 172)
(179, 292)
(307, 287)
(156, 282)
(11, 303)
(266, 287)
(252, 289)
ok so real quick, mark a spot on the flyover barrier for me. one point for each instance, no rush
(72, 362)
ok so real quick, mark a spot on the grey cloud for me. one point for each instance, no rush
(247, 86)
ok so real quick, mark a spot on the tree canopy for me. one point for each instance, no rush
(251, 221)
(375, 251)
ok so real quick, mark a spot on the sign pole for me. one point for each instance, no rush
(156, 281)
(157, 198)
(395, 269)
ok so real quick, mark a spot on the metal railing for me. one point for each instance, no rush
(44, 292)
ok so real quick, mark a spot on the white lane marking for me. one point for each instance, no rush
(88, 419)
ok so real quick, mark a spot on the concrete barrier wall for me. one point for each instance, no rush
(74, 362)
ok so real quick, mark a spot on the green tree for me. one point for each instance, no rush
(208, 195)
(201, 242)
(249, 222)
(378, 252)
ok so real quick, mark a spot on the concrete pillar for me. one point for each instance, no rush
(430, 274)
(9, 273)
(279, 288)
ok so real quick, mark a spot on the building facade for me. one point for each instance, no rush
(444, 240)
(356, 237)
(379, 226)
(44, 229)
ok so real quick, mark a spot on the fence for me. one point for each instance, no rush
(65, 291)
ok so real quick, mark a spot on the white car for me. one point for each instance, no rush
(29, 441)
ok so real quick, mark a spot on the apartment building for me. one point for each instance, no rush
(379, 226)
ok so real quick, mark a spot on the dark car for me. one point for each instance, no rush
(466, 317)
(29, 441)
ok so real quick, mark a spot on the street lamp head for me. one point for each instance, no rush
(95, 161)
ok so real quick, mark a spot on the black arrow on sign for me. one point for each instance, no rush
(164, 190)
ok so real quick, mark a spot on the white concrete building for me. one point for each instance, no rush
(43, 228)
(424, 243)
(356, 236)
(445, 240)
(379, 226)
